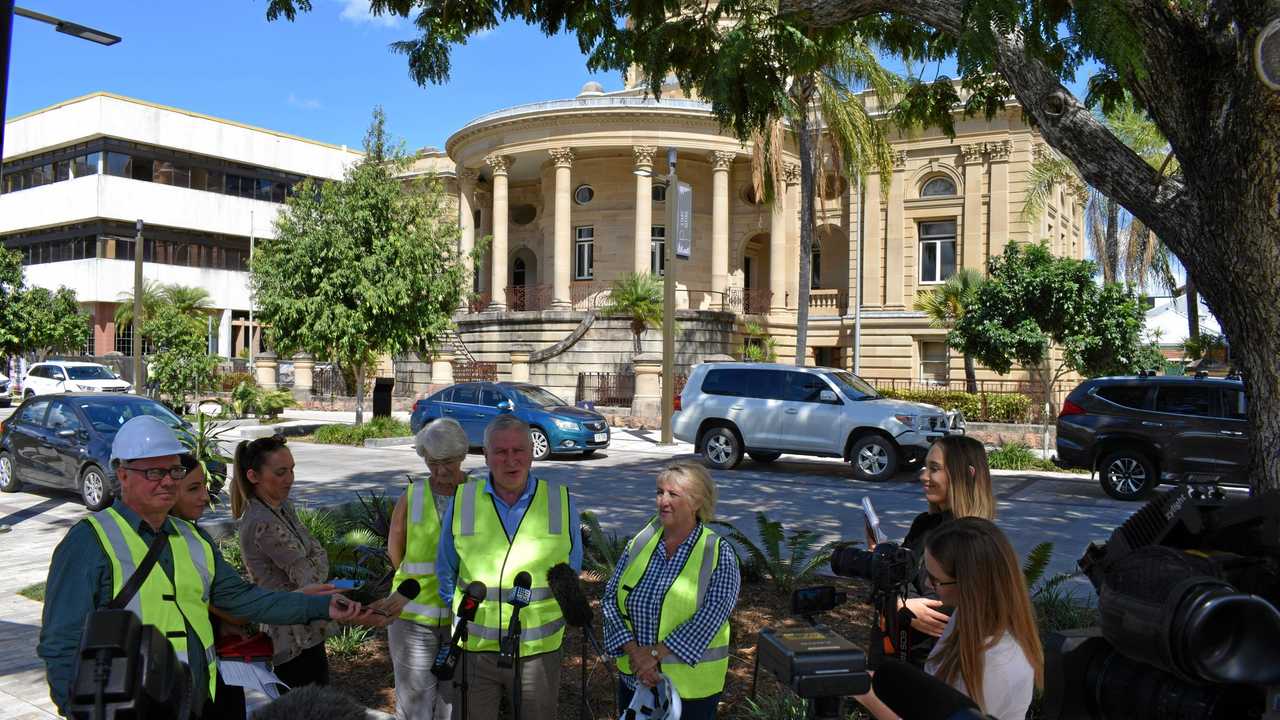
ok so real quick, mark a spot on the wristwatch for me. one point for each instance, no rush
(653, 652)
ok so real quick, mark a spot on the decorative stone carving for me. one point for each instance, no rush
(723, 160)
(791, 173)
(499, 164)
(999, 150)
(972, 153)
(644, 155)
(562, 157)
(899, 159)
(467, 176)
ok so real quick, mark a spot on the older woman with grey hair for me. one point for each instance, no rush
(419, 625)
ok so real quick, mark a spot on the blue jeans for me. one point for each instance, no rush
(700, 709)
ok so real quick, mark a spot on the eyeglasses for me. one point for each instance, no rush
(935, 582)
(444, 462)
(177, 472)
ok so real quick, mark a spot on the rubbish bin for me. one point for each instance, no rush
(382, 396)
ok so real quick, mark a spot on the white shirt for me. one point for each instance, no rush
(1008, 679)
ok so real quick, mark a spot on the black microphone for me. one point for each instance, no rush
(446, 661)
(409, 589)
(568, 594)
(520, 597)
(916, 695)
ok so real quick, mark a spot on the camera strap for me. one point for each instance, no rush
(139, 576)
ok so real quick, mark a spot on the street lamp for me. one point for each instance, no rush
(668, 292)
(7, 11)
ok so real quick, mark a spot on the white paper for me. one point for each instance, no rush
(873, 522)
(251, 676)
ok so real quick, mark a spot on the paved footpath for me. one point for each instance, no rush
(616, 484)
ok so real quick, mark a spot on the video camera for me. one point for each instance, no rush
(128, 670)
(890, 568)
(1188, 626)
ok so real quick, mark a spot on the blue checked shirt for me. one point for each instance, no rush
(644, 603)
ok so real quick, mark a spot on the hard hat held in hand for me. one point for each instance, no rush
(145, 436)
(660, 702)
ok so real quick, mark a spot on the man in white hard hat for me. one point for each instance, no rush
(97, 556)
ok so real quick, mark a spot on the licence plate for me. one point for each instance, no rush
(601, 437)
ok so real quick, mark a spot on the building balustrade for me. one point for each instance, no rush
(528, 297)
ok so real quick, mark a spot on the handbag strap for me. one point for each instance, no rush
(140, 575)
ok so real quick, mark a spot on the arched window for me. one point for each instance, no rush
(815, 266)
(518, 272)
(938, 186)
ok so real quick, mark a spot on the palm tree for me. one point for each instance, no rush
(946, 304)
(638, 295)
(193, 301)
(833, 129)
(152, 298)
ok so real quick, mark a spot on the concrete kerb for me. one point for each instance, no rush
(388, 442)
(288, 429)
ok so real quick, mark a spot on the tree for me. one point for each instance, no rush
(186, 299)
(362, 266)
(51, 321)
(181, 361)
(638, 296)
(152, 299)
(1188, 65)
(1033, 301)
(945, 306)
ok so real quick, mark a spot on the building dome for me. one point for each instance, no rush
(591, 89)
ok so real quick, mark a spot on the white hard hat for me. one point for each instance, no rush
(145, 436)
(660, 702)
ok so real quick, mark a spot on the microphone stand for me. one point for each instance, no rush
(582, 687)
(462, 662)
(517, 685)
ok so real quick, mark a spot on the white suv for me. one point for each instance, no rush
(765, 410)
(65, 376)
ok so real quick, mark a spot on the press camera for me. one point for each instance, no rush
(814, 661)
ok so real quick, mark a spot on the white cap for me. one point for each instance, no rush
(660, 702)
(145, 436)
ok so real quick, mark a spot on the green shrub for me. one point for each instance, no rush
(229, 381)
(1016, 456)
(977, 407)
(348, 641)
(382, 427)
(787, 559)
(600, 550)
(33, 592)
(248, 399)
(229, 546)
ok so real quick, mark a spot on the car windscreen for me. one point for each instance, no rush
(107, 417)
(89, 372)
(536, 396)
(853, 386)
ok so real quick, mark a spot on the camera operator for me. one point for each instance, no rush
(990, 649)
(97, 557)
(957, 484)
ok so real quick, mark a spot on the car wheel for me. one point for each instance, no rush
(721, 448)
(541, 445)
(1127, 475)
(9, 481)
(94, 489)
(764, 457)
(874, 458)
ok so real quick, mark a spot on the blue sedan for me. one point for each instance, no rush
(555, 426)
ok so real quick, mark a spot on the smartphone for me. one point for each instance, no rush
(344, 584)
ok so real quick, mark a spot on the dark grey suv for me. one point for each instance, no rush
(1138, 432)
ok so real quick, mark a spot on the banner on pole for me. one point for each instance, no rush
(684, 221)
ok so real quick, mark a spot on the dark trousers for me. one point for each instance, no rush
(228, 704)
(311, 667)
(700, 709)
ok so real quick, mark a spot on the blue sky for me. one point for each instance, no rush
(318, 77)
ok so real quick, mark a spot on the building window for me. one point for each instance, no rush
(89, 339)
(659, 193)
(584, 253)
(584, 194)
(938, 187)
(124, 341)
(935, 367)
(937, 251)
(815, 266)
(658, 250)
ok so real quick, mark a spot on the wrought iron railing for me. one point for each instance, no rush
(528, 297)
(475, 372)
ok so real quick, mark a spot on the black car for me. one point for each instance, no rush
(64, 441)
(1138, 432)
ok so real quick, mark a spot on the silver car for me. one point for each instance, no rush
(765, 410)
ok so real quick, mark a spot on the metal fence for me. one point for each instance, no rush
(1034, 390)
(618, 389)
(475, 372)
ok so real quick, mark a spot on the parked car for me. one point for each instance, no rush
(555, 426)
(764, 410)
(64, 441)
(1137, 432)
(62, 376)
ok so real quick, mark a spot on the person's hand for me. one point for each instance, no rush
(927, 619)
(650, 678)
(641, 660)
(229, 629)
(319, 589)
(382, 613)
(343, 610)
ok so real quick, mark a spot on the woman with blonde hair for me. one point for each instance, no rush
(990, 649)
(667, 605)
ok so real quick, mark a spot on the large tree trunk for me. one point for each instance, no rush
(970, 375)
(1193, 309)
(1111, 247)
(1219, 217)
(804, 94)
(360, 393)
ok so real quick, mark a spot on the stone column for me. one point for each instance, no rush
(998, 222)
(872, 245)
(303, 365)
(644, 207)
(894, 280)
(484, 201)
(225, 336)
(647, 401)
(499, 164)
(791, 171)
(520, 364)
(971, 246)
(442, 368)
(562, 246)
(467, 238)
(778, 250)
(264, 369)
(721, 161)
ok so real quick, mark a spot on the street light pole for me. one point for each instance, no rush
(669, 297)
(138, 379)
(251, 337)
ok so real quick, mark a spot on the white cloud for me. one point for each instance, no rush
(357, 11)
(304, 103)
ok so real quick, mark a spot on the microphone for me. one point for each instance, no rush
(409, 589)
(446, 661)
(520, 597)
(916, 695)
(568, 594)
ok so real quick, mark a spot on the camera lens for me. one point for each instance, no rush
(852, 562)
